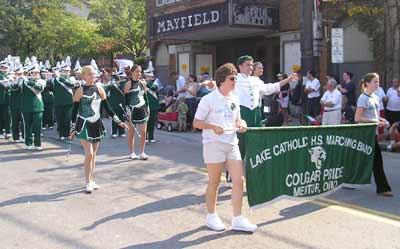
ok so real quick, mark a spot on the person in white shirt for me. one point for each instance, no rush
(331, 101)
(393, 102)
(218, 115)
(312, 90)
(180, 84)
(248, 89)
(382, 98)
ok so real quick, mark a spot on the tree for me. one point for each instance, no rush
(392, 38)
(44, 29)
(123, 22)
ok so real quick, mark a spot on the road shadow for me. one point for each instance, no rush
(293, 212)
(176, 202)
(41, 198)
(64, 167)
(176, 240)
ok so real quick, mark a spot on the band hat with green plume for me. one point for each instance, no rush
(244, 58)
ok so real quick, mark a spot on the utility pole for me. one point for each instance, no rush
(306, 24)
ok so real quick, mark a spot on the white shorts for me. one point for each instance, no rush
(284, 102)
(217, 152)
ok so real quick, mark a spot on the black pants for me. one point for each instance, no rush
(313, 106)
(392, 116)
(382, 184)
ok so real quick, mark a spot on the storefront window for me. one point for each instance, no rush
(165, 2)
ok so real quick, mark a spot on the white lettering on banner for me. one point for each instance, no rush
(261, 158)
(308, 183)
(287, 146)
(194, 20)
(303, 178)
(349, 142)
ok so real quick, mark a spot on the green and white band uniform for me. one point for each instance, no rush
(16, 108)
(116, 97)
(63, 96)
(48, 100)
(248, 89)
(32, 110)
(135, 100)
(86, 112)
(4, 103)
(154, 106)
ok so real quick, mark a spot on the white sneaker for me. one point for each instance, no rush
(38, 148)
(152, 141)
(143, 156)
(28, 147)
(114, 135)
(44, 128)
(94, 185)
(215, 223)
(51, 127)
(389, 147)
(133, 156)
(89, 188)
(123, 135)
(8, 135)
(2, 136)
(147, 141)
(62, 138)
(241, 223)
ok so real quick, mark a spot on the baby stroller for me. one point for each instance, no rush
(168, 116)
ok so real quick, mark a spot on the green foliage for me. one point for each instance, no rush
(369, 17)
(142, 60)
(45, 29)
(123, 23)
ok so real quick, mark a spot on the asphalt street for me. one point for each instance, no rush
(159, 203)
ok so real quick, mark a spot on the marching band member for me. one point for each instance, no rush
(63, 86)
(48, 99)
(248, 88)
(154, 105)
(32, 108)
(116, 98)
(87, 125)
(16, 104)
(218, 115)
(134, 91)
(4, 100)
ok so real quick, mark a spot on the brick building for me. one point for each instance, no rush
(195, 36)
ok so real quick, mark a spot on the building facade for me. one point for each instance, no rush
(197, 36)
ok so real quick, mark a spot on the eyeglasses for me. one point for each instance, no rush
(233, 78)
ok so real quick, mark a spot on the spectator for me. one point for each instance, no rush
(331, 102)
(393, 102)
(297, 98)
(191, 87)
(313, 95)
(183, 109)
(284, 98)
(348, 88)
(382, 98)
(394, 133)
(180, 84)
(205, 89)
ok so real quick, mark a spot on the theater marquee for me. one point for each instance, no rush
(189, 20)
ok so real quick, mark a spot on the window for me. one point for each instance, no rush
(165, 2)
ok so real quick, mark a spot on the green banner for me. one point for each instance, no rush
(306, 161)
